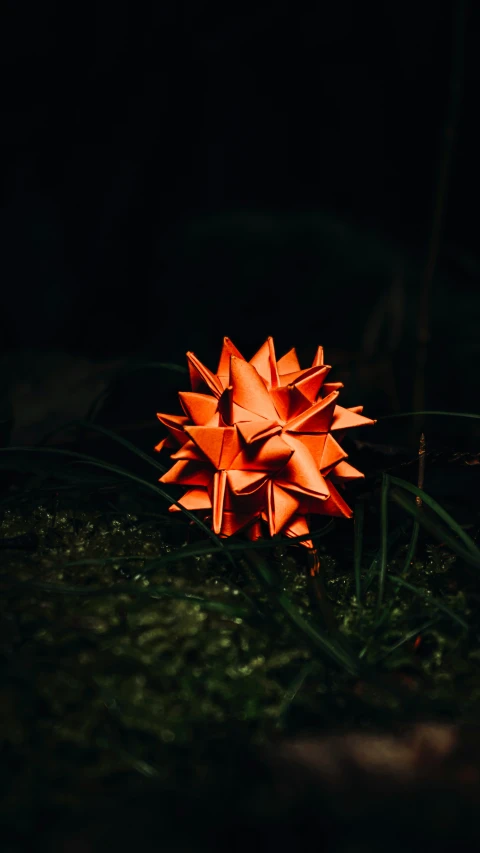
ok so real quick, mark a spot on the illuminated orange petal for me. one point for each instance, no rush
(345, 471)
(201, 376)
(258, 430)
(232, 522)
(316, 419)
(270, 456)
(223, 370)
(288, 363)
(199, 408)
(265, 364)
(347, 418)
(194, 499)
(315, 444)
(188, 451)
(211, 442)
(219, 484)
(187, 473)
(318, 360)
(332, 386)
(246, 482)
(175, 425)
(301, 474)
(334, 505)
(311, 382)
(282, 506)
(249, 390)
(333, 453)
(165, 442)
(281, 398)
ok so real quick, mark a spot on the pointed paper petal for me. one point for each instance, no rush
(315, 444)
(298, 526)
(199, 408)
(164, 443)
(249, 390)
(175, 425)
(265, 364)
(209, 440)
(187, 473)
(217, 443)
(288, 363)
(291, 378)
(318, 360)
(311, 382)
(219, 484)
(223, 370)
(345, 471)
(188, 451)
(201, 376)
(246, 482)
(281, 401)
(333, 453)
(282, 506)
(194, 499)
(334, 505)
(301, 474)
(346, 418)
(316, 419)
(258, 430)
(232, 522)
(332, 386)
(270, 456)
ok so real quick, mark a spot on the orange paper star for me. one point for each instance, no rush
(259, 443)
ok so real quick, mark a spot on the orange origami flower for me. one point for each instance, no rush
(259, 443)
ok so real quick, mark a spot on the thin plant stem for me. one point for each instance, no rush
(440, 203)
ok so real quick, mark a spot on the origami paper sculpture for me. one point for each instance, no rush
(259, 443)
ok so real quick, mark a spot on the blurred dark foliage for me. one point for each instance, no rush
(177, 172)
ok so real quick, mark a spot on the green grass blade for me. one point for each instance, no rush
(137, 591)
(438, 531)
(82, 458)
(358, 522)
(328, 646)
(393, 538)
(123, 441)
(383, 539)
(412, 547)
(409, 636)
(442, 513)
(446, 414)
(434, 601)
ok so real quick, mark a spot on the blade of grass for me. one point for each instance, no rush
(134, 590)
(383, 540)
(358, 522)
(442, 513)
(439, 532)
(446, 414)
(128, 444)
(373, 568)
(328, 646)
(81, 458)
(433, 601)
(409, 636)
(412, 546)
(307, 669)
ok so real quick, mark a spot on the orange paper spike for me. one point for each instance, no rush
(255, 444)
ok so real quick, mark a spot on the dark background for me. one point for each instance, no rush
(175, 172)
